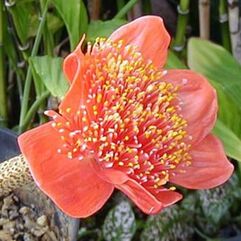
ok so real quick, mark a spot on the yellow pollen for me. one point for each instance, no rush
(131, 119)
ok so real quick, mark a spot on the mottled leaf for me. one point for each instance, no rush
(120, 223)
(171, 224)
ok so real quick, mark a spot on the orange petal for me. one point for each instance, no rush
(148, 33)
(72, 62)
(210, 166)
(168, 197)
(199, 101)
(146, 201)
(72, 184)
(110, 175)
(76, 94)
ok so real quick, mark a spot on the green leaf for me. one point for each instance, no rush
(217, 64)
(54, 23)
(120, 223)
(217, 202)
(103, 28)
(232, 144)
(173, 62)
(172, 223)
(224, 73)
(49, 70)
(24, 17)
(75, 18)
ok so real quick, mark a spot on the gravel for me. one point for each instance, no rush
(19, 222)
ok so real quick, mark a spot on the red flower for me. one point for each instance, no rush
(126, 123)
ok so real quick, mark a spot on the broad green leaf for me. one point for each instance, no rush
(103, 28)
(54, 23)
(38, 83)
(228, 125)
(173, 62)
(50, 72)
(217, 64)
(224, 73)
(232, 144)
(75, 18)
(25, 17)
(120, 223)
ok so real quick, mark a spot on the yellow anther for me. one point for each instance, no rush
(99, 98)
(70, 155)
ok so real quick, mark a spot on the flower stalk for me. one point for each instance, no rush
(223, 19)
(125, 9)
(3, 95)
(36, 105)
(183, 11)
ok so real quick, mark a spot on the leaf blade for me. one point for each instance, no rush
(50, 72)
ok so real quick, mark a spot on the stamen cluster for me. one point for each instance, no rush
(128, 118)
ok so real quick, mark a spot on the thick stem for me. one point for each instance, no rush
(125, 9)
(3, 88)
(183, 11)
(14, 173)
(233, 16)
(223, 19)
(204, 18)
(94, 9)
(28, 80)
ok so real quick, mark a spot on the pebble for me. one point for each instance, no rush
(20, 222)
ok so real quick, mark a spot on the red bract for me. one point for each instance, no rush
(126, 123)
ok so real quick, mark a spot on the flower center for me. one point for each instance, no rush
(128, 118)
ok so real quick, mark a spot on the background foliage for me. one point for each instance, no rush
(35, 36)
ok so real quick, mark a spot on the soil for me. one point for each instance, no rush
(19, 222)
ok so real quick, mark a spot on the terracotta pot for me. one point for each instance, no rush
(31, 195)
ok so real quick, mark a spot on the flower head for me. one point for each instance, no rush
(127, 123)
